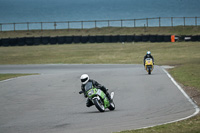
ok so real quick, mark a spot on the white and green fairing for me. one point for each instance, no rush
(93, 92)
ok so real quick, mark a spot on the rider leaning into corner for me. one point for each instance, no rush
(84, 79)
(148, 55)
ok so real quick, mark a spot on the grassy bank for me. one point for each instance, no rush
(8, 76)
(188, 74)
(177, 30)
(107, 53)
(186, 126)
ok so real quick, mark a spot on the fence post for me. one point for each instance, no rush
(184, 21)
(147, 21)
(121, 23)
(172, 21)
(55, 25)
(81, 24)
(108, 23)
(68, 25)
(134, 22)
(14, 26)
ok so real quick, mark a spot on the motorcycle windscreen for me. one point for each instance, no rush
(88, 86)
(148, 59)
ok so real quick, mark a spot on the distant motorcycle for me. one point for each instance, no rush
(149, 65)
(98, 97)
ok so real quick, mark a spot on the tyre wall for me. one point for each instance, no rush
(29, 41)
(69, 39)
(53, 40)
(92, 39)
(37, 41)
(61, 40)
(84, 39)
(45, 40)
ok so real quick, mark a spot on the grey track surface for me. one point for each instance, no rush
(50, 103)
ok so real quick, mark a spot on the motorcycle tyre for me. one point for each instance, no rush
(100, 107)
(149, 71)
(112, 106)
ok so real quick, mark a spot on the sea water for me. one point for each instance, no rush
(15, 11)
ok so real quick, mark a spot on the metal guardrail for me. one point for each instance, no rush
(144, 22)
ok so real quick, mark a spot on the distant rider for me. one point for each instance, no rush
(148, 55)
(84, 79)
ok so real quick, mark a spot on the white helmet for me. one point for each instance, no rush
(148, 52)
(84, 78)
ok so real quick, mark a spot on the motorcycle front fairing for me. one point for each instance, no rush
(90, 90)
(96, 93)
(101, 94)
(149, 67)
(149, 64)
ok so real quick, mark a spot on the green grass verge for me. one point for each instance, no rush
(105, 53)
(186, 126)
(8, 76)
(188, 74)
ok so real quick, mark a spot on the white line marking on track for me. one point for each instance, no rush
(189, 99)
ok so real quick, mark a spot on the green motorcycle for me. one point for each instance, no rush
(98, 97)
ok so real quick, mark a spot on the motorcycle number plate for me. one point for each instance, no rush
(99, 92)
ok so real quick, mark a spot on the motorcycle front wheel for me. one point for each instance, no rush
(149, 71)
(99, 105)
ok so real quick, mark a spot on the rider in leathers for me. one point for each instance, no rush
(84, 79)
(148, 55)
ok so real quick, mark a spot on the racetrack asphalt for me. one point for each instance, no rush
(50, 102)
